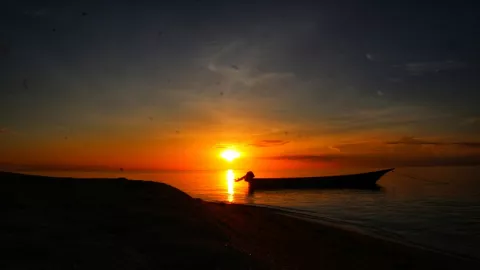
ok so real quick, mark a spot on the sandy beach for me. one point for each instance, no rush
(66, 223)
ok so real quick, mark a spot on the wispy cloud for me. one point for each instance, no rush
(268, 143)
(370, 56)
(375, 57)
(415, 141)
(237, 66)
(354, 130)
(384, 160)
(233, 74)
(315, 158)
(421, 68)
(399, 146)
(223, 146)
(471, 121)
(3, 130)
(358, 146)
(22, 167)
(392, 117)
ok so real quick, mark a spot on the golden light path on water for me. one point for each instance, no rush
(230, 185)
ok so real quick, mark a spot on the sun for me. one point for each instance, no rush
(229, 155)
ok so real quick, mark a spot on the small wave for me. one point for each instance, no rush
(375, 232)
(313, 216)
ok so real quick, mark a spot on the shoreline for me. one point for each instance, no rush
(354, 229)
(108, 223)
(343, 225)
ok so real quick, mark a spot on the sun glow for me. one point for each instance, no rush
(229, 155)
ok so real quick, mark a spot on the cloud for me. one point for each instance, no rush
(471, 121)
(3, 130)
(223, 146)
(414, 141)
(374, 57)
(421, 68)
(236, 66)
(380, 93)
(334, 148)
(247, 76)
(270, 77)
(314, 158)
(384, 160)
(268, 143)
(381, 117)
(359, 146)
(403, 146)
(21, 167)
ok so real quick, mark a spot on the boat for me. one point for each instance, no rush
(358, 181)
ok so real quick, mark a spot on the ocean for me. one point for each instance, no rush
(434, 207)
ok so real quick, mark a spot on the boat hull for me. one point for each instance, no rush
(361, 180)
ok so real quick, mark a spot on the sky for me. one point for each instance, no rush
(298, 84)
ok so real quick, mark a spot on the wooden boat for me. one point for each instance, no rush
(361, 180)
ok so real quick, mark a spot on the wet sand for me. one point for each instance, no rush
(65, 223)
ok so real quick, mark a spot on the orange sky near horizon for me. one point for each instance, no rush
(195, 150)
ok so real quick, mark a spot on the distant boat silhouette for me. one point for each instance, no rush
(359, 181)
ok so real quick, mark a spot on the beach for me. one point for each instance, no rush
(72, 223)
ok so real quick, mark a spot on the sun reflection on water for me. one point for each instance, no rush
(230, 185)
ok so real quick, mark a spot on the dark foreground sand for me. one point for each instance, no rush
(54, 223)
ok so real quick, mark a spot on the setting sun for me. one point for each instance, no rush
(229, 155)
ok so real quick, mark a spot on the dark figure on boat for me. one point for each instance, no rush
(247, 177)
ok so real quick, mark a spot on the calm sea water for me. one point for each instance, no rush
(436, 207)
